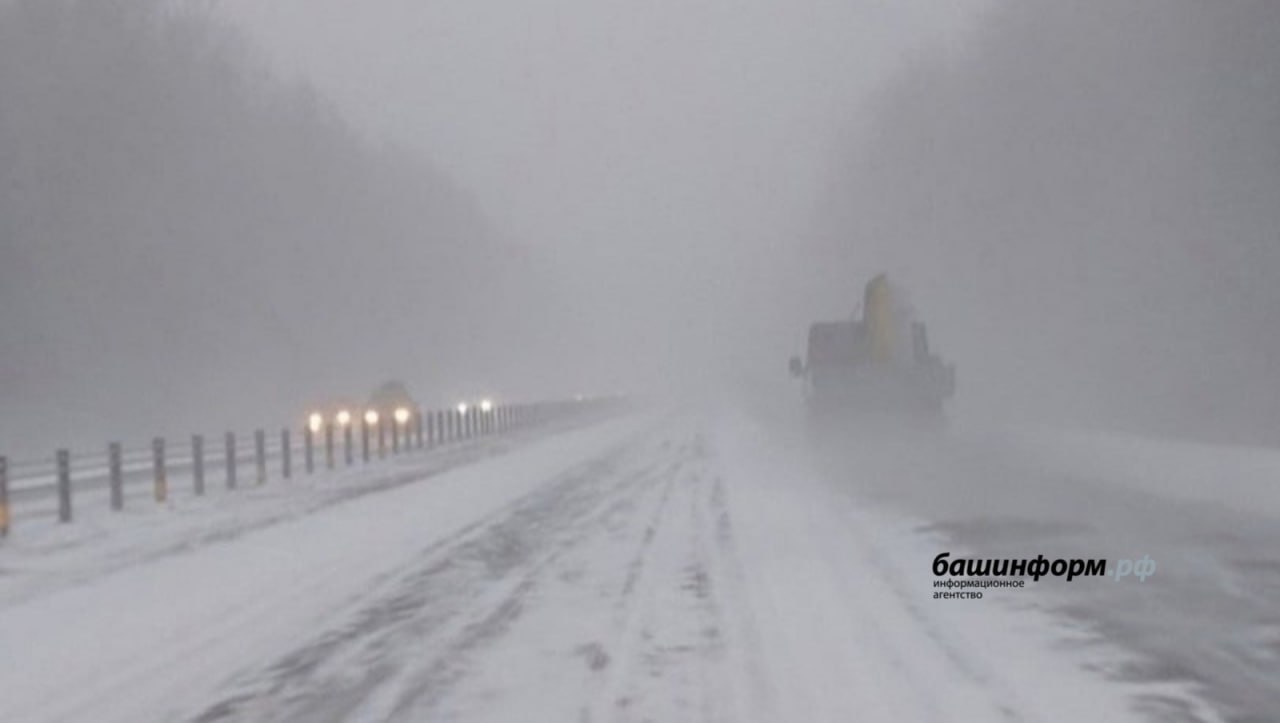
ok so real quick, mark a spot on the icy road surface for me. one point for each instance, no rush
(673, 568)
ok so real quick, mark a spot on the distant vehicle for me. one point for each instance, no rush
(878, 364)
(392, 401)
(339, 412)
(389, 402)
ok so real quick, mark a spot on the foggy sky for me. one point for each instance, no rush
(207, 231)
(204, 228)
(661, 159)
(189, 245)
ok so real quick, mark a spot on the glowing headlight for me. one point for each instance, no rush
(343, 418)
(402, 415)
(315, 422)
(486, 405)
(462, 407)
(371, 417)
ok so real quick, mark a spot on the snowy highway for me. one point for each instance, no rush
(665, 567)
(618, 362)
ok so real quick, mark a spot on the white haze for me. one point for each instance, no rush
(661, 160)
(539, 199)
(1089, 192)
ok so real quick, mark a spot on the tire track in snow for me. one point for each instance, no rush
(410, 641)
(675, 646)
(627, 625)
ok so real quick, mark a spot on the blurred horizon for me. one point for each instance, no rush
(214, 215)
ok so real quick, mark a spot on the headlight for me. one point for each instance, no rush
(315, 422)
(462, 407)
(343, 418)
(371, 417)
(486, 405)
(402, 415)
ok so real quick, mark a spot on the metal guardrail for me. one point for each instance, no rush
(201, 460)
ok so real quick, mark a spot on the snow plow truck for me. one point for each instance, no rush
(876, 365)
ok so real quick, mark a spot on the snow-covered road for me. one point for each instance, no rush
(663, 568)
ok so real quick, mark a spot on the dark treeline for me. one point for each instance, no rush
(187, 242)
(1087, 196)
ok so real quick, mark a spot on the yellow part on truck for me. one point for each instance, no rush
(877, 311)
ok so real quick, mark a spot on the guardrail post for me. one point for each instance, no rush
(328, 446)
(396, 429)
(230, 444)
(260, 454)
(4, 497)
(308, 448)
(197, 463)
(382, 438)
(64, 485)
(420, 424)
(286, 454)
(348, 451)
(157, 461)
(115, 475)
